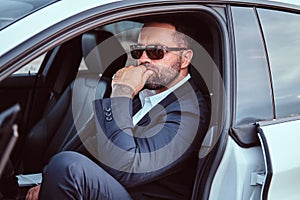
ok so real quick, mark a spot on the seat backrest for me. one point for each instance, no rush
(58, 129)
(104, 54)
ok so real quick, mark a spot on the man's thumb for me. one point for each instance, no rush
(147, 74)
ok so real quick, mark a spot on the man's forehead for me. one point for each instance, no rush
(159, 25)
(160, 34)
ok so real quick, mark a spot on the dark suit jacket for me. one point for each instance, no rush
(157, 158)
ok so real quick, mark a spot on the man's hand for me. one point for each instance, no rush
(128, 81)
(33, 193)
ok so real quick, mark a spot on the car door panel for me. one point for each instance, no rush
(234, 179)
(280, 142)
(18, 89)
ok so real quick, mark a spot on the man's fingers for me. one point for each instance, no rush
(146, 75)
(134, 77)
(29, 195)
(33, 193)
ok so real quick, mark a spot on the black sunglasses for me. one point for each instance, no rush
(154, 52)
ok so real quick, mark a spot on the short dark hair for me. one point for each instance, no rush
(182, 32)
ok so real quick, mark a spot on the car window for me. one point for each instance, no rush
(127, 33)
(120, 29)
(282, 35)
(32, 67)
(123, 26)
(253, 101)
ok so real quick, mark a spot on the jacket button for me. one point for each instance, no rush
(108, 114)
(108, 118)
(108, 109)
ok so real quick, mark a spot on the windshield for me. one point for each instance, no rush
(13, 10)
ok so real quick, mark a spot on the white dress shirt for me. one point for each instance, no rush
(149, 99)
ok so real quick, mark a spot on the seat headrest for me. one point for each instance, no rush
(102, 50)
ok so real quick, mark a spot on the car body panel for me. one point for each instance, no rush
(233, 179)
(56, 12)
(292, 2)
(282, 159)
(33, 24)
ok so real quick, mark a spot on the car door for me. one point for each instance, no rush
(216, 41)
(282, 160)
(261, 159)
(20, 88)
(280, 136)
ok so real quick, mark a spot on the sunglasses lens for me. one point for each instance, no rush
(155, 53)
(136, 54)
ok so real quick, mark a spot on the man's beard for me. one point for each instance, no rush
(161, 79)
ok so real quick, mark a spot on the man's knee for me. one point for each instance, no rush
(64, 163)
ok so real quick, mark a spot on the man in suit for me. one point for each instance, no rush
(147, 153)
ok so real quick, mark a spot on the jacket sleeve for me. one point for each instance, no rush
(155, 147)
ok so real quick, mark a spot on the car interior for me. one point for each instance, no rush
(56, 103)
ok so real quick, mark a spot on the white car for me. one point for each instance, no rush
(247, 62)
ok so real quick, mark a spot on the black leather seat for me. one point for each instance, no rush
(58, 129)
(105, 58)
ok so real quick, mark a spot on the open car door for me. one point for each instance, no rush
(8, 134)
(281, 147)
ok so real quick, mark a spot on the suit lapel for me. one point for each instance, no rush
(172, 97)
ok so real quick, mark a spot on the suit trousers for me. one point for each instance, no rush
(70, 175)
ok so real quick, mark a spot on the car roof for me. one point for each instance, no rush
(11, 11)
(276, 3)
(295, 2)
(58, 10)
(57, 7)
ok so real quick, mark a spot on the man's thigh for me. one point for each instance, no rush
(71, 175)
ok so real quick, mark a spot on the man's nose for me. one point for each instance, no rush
(144, 58)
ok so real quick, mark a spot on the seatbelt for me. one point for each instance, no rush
(58, 88)
(88, 130)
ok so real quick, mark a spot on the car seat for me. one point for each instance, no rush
(58, 129)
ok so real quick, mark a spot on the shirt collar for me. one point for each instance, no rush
(153, 98)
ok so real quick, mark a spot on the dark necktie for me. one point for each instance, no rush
(136, 105)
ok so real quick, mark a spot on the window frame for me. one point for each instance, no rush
(267, 82)
(102, 15)
(275, 105)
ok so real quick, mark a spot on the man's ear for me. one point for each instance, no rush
(187, 56)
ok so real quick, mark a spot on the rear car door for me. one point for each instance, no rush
(261, 159)
(280, 136)
(282, 159)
